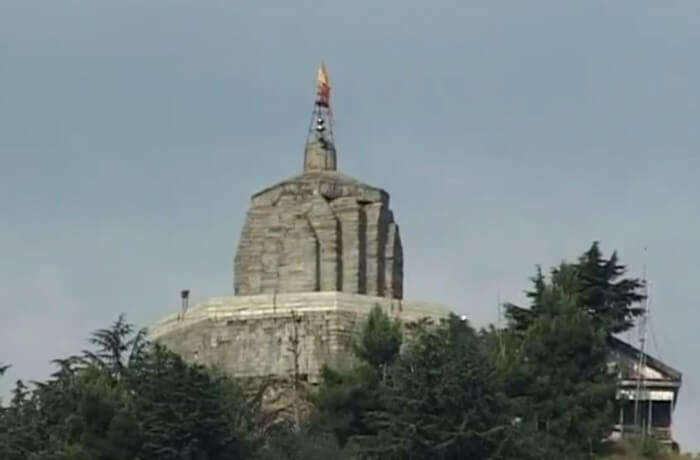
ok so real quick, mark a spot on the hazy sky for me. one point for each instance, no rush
(509, 134)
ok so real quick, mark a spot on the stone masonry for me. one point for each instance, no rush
(252, 336)
(320, 231)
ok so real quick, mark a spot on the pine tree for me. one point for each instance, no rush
(440, 400)
(595, 284)
(604, 294)
(302, 445)
(127, 400)
(183, 410)
(558, 380)
(380, 340)
(345, 397)
(343, 401)
(118, 347)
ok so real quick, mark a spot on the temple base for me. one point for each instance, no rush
(279, 335)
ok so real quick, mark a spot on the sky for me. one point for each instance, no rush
(509, 134)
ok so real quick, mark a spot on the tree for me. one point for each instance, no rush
(185, 412)
(604, 294)
(118, 347)
(345, 397)
(596, 286)
(440, 400)
(553, 357)
(302, 445)
(343, 401)
(380, 340)
(557, 378)
(127, 400)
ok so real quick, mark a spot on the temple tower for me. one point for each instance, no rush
(321, 230)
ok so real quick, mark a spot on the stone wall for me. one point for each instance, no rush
(321, 231)
(254, 336)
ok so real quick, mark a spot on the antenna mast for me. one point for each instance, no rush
(499, 326)
(641, 364)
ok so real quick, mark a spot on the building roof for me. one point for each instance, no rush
(668, 372)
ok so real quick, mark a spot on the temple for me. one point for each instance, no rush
(316, 253)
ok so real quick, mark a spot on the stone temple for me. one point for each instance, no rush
(317, 252)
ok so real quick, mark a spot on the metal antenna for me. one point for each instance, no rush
(641, 364)
(498, 307)
(499, 328)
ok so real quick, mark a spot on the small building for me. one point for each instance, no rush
(647, 390)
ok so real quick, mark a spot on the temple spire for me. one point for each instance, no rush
(319, 152)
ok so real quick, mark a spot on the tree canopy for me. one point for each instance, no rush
(127, 399)
(593, 284)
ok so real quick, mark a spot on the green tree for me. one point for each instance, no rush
(380, 340)
(605, 295)
(185, 412)
(118, 347)
(302, 445)
(346, 396)
(556, 374)
(440, 400)
(126, 400)
(15, 441)
(595, 284)
(67, 417)
(343, 401)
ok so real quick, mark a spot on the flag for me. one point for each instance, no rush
(323, 86)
